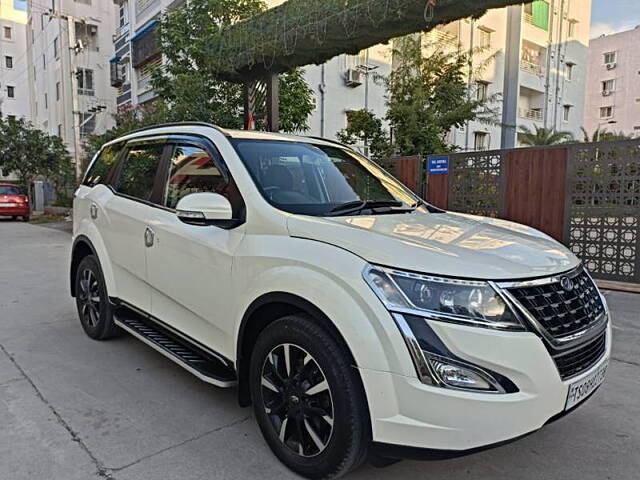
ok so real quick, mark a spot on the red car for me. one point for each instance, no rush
(14, 203)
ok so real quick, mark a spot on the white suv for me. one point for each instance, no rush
(356, 318)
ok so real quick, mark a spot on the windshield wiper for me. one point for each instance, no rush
(358, 206)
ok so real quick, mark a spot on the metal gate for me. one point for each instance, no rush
(602, 219)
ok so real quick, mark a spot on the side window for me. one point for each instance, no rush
(138, 173)
(102, 167)
(192, 170)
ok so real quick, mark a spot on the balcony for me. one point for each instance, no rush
(532, 67)
(534, 114)
(438, 35)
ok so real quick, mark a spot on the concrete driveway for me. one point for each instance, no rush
(72, 408)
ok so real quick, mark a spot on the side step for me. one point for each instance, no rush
(207, 366)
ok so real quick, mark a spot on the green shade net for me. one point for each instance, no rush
(304, 32)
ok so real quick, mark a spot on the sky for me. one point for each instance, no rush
(612, 16)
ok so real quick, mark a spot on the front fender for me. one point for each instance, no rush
(330, 279)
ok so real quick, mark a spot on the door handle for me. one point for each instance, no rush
(149, 236)
(94, 211)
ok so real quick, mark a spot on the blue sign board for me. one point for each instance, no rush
(438, 165)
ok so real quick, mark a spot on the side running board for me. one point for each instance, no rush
(205, 365)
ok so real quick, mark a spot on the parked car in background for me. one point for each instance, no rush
(13, 202)
(353, 316)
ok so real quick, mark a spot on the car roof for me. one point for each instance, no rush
(199, 127)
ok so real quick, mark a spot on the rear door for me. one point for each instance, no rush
(125, 214)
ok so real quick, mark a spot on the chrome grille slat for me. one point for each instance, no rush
(562, 313)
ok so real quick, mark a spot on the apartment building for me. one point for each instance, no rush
(613, 84)
(536, 59)
(69, 46)
(14, 90)
(344, 83)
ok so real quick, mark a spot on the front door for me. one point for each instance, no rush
(188, 266)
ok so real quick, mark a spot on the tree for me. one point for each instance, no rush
(543, 136)
(31, 154)
(127, 120)
(363, 126)
(602, 135)
(428, 95)
(188, 85)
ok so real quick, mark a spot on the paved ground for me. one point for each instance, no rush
(72, 408)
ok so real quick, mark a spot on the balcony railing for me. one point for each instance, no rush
(528, 18)
(532, 67)
(531, 114)
(144, 83)
(86, 91)
(120, 31)
(442, 36)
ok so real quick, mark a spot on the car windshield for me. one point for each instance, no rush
(321, 180)
(9, 190)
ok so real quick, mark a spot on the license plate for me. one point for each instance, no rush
(581, 389)
(7, 205)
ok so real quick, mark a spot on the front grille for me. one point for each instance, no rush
(582, 358)
(560, 312)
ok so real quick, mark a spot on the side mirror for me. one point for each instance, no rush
(205, 209)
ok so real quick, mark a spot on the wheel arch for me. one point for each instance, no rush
(262, 312)
(82, 247)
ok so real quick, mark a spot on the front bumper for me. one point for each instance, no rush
(18, 210)
(405, 411)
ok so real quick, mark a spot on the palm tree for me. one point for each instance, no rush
(602, 135)
(543, 136)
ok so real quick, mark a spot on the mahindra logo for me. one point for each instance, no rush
(566, 283)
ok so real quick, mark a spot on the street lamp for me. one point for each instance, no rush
(610, 122)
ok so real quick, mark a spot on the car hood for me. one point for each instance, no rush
(448, 244)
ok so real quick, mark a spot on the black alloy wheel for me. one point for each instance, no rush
(297, 398)
(92, 301)
(308, 398)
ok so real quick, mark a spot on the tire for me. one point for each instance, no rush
(337, 416)
(26, 218)
(94, 310)
(14, 218)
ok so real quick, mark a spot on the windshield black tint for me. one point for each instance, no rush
(313, 179)
(9, 190)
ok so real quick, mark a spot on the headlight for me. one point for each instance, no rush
(445, 299)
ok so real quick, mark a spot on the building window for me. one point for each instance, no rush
(636, 131)
(55, 47)
(86, 2)
(87, 123)
(46, 101)
(123, 14)
(572, 27)
(11, 91)
(569, 71)
(482, 91)
(537, 13)
(88, 35)
(8, 33)
(608, 86)
(60, 130)
(480, 141)
(8, 61)
(142, 5)
(57, 91)
(610, 57)
(485, 38)
(44, 62)
(85, 81)
(566, 113)
(606, 112)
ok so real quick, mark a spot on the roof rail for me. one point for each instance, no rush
(335, 142)
(178, 124)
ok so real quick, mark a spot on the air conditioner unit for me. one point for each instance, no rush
(611, 66)
(353, 77)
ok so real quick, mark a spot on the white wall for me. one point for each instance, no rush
(17, 76)
(625, 100)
